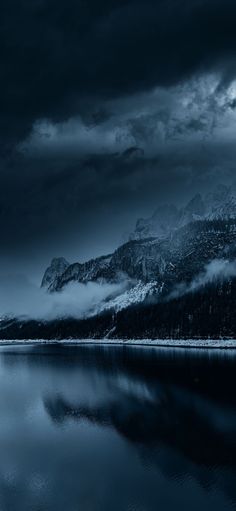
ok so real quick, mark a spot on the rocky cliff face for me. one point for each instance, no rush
(90, 271)
(56, 269)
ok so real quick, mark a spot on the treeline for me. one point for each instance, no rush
(206, 313)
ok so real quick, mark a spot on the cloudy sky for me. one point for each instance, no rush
(108, 108)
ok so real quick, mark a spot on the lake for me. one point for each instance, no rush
(106, 428)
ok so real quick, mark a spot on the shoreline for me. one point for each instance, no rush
(162, 343)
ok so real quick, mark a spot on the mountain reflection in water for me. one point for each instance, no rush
(117, 428)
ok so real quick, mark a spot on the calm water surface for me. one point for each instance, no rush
(117, 429)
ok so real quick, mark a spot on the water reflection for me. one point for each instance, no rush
(97, 428)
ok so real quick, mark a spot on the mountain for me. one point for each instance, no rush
(170, 249)
(221, 204)
(179, 257)
(91, 271)
(169, 258)
(56, 269)
(218, 204)
(164, 219)
(194, 210)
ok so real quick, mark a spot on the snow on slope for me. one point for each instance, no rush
(135, 295)
(198, 344)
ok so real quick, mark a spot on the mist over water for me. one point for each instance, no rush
(101, 429)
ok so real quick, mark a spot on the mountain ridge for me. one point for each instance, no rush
(204, 232)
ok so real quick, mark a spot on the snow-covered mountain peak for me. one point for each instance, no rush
(194, 210)
(218, 204)
(164, 219)
(221, 204)
(196, 206)
(218, 196)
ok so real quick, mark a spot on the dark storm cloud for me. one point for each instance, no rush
(58, 58)
(108, 107)
(50, 199)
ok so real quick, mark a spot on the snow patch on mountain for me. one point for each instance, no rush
(135, 295)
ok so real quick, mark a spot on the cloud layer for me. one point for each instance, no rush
(20, 298)
(60, 56)
(108, 108)
(217, 269)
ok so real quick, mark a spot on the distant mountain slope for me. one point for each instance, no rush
(219, 204)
